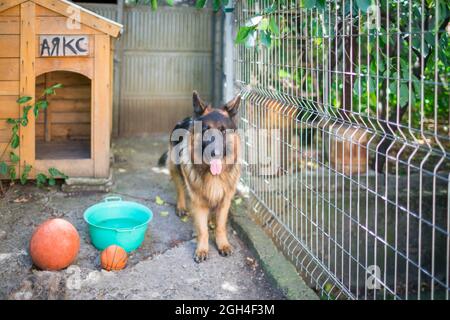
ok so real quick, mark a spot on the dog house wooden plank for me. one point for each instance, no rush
(88, 18)
(71, 117)
(111, 88)
(66, 130)
(74, 92)
(74, 167)
(61, 25)
(8, 149)
(68, 78)
(8, 4)
(11, 12)
(83, 66)
(44, 12)
(6, 145)
(8, 107)
(9, 68)
(102, 106)
(9, 25)
(5, 132)
(9, 46)
(79, 105)
(8, 88)
(68, 117)
(27, 80)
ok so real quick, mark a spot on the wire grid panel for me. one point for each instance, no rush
(346, 119)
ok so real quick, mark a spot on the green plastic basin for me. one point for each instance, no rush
(118, 222)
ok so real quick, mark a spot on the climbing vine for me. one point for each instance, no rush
(10, 162)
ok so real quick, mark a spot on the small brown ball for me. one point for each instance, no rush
(114, 258)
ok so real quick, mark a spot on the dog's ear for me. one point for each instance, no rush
(198, 104)
(232, 106)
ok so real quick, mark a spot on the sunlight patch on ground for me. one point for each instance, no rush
(229, 287)
(160, 170)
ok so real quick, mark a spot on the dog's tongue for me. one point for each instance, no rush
(215, 167)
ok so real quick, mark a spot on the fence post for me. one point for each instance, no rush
(118, 60)
(228, 42)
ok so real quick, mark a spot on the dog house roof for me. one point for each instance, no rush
(66, 8)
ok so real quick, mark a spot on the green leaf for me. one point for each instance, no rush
(404, 94)
(154, 5)
(263, 24)
(320, 4)
(51, 90)
(42, 104)
(51, 181)
(41, 179)
(283, 73)
(216, 5)
(26, 109)
(56, 86)
(25, 173)
(327, 288)
(164, 213)
(270, 9)
(254, 21)
(15, 141)
(3, 168)
(266, 39)
(199, 4)
(250, 42)
(159, 201)
(169, 2)
(54, 173)
(243, 33)
(12, 172)
(309, 4)
(364, 5)
(11, 121)
(273, 26)
(14, 157)
(24, 99)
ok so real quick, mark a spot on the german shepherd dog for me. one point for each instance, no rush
(204, 166)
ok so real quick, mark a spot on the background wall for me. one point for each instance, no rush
(165, 55)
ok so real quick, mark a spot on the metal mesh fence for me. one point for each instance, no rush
(346, 150)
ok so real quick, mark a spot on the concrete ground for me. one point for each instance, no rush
(162, 268)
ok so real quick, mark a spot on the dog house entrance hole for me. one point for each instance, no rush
(63, 130)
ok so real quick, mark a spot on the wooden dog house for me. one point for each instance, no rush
(44, 42)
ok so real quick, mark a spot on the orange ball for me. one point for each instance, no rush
(54, 245)
(113, 258)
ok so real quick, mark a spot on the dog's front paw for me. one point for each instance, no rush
(181, 212)
(200, 255)
(226, 250)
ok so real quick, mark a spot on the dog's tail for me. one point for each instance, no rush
(163, 159)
